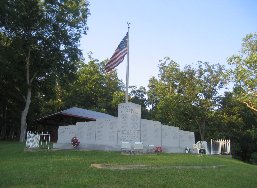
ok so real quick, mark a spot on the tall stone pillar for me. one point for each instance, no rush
(129, 116)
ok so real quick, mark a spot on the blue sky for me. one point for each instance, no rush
(187, 31)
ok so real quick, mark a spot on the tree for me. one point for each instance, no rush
(238, 123)
(94, 89)
(10, 98)
(45, 37)
(244, 71)
(138, 96)
(209, 80)
(188, 97)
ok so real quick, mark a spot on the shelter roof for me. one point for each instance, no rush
(84, 113)
(72, 115)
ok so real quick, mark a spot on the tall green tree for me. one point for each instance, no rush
(209, 80)
(244, 71)
(187, 97)
(238, 123)
(45, 37)
(9, 101)
(94, 89)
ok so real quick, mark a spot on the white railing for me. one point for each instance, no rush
(215, 147)
(38, 140)
(220, 146)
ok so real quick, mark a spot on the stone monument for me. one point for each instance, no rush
(109, 133)
(129, 117)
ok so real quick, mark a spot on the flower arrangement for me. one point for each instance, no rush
(75, 142)
(158, 149)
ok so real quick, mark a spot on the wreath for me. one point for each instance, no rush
(75, 142)
(158, 149)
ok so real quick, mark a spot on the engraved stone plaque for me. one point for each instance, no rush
(129, 117)
(151, 132)
(66, 133)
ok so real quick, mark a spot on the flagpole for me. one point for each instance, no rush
(127, 72)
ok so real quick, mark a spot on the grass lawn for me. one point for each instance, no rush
(72, 168)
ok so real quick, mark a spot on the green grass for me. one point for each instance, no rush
(71, 168)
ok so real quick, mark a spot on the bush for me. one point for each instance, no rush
(253, 158)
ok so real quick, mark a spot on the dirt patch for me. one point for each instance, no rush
(131, 166)
(118, 166)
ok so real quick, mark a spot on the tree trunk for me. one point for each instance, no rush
(201, 126)
(24, 114)
(3, 128)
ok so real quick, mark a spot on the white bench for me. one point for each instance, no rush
(138, 147)
(150, 149)
(125, 147)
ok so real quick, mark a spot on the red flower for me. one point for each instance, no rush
(75, 142)
(158, 149)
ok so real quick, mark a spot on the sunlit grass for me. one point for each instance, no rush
(72, 168)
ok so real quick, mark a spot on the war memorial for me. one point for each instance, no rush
(109, 134)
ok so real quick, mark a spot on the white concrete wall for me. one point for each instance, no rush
(170, 139)
(66, 133)
(151, 132)
(186, 139)
(107, 134)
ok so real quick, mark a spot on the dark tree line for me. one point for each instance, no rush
(39, 41)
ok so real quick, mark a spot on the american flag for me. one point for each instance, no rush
(118, 55)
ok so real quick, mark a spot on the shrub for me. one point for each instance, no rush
(253, 158)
